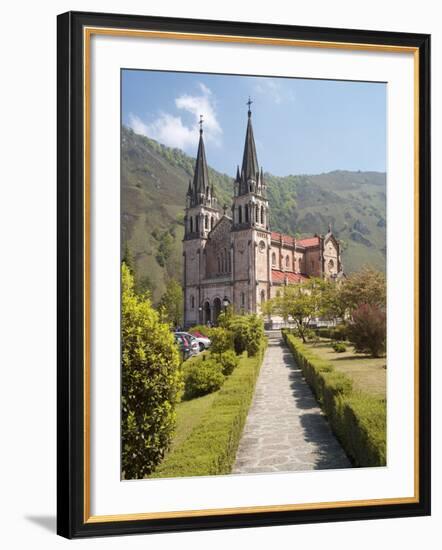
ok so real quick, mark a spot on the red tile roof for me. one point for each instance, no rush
(308, 242)
(288, 240)
(281, 276)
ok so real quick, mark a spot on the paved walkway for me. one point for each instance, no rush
(285, 429)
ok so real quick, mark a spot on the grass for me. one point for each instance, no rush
(367, 373)
(358, 418)
(188, 415)
(209, 428)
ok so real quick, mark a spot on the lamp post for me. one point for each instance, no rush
(225, 303)
(200, 310)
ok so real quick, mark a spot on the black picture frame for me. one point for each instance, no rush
(71, 517)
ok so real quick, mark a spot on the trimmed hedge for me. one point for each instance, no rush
(357, 419)
(211, 447)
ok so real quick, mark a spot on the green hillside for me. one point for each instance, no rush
(154, 184)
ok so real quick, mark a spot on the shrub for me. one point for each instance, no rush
(151, 382)
(357, 419)
(368, 330)
(221, 340)
(229, 361)
(247, 333)
(339, 347)
(203, 377)
(239, 328)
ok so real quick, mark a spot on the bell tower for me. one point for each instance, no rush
(250, 231)
(201, 215)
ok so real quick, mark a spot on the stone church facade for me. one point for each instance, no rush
(234, 258)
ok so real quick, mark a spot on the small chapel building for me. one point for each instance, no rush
(235, 259)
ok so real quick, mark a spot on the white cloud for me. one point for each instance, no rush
(274, 90)
(172, 130)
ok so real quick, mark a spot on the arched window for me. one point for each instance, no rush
(262, 216)
(331, 265)
(273, 259)
(257, 214)
(229, 263)
(219, 264)
(246, 213)
(225, 261)
(287, 261)
(239, 214)
(212, 222)
(206, 222)
(192, 302)
(191, 224)
(197, 224)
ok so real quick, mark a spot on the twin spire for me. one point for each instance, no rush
(249, 179)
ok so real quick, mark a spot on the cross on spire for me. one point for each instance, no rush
(249, 103)
(201, 124)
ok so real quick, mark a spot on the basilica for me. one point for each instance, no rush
(231, 256)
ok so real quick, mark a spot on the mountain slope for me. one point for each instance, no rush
(154, 183)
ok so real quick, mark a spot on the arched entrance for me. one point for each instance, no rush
(206, 313)
(216, 309)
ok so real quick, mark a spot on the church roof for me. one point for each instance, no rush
(286, 239)
(308, 242)
(282, 276)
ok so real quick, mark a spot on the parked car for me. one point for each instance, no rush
(192, 342)
(203, 341)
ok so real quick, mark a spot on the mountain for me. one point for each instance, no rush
(154, 180)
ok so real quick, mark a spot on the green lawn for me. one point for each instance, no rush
(368, 374)
(188, 415)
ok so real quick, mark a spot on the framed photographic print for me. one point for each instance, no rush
(243, 274)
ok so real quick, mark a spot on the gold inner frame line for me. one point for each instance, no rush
(87, 34)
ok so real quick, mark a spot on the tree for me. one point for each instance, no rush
(335, 306)
(128, 258)
(172, 303)
(144, 285)
(368, 330)
(301, 303)
(367, 286)
(151, 382)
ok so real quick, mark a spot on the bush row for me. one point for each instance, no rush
(211, 447)
(357, 419)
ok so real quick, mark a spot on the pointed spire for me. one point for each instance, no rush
(250, 167)
(201, 175)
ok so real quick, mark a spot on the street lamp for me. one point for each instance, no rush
(225, 303)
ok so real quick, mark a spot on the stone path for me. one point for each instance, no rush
(285, 429)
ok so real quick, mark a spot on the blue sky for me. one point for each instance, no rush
(301, 126)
